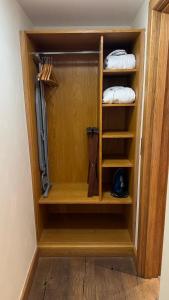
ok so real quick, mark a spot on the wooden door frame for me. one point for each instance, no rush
(155, 154)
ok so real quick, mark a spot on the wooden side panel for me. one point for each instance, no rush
(134, 126)
(100, 114)
(160, 5)
(152, 198)
(29, 75)
(71, 108)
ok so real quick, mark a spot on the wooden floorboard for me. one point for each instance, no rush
(90, 278)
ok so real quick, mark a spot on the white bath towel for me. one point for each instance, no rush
(119, 94)
(119, 59)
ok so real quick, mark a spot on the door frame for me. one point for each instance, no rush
(155, 143)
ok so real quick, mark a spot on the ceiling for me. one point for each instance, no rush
(81, 12)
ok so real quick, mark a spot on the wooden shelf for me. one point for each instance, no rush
(69, 193)
(108, 72)
(117, 163)
(108, 197)
(76, 194)
(118, 104)
(117, 134)
(86, 234)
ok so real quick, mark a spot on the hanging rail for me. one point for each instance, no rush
(65, 52)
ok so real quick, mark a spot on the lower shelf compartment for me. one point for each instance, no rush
(86, 234)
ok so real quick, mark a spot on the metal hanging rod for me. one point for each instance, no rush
(65, 52)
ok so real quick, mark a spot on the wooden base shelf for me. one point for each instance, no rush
(85, 235)
(117, 134)
(111, 72)
(117, 163)
(85, 249)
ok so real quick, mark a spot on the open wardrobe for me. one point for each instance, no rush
(83, 94)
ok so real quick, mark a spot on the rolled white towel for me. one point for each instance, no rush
(119, 59)
(118, 52)
(119, 94)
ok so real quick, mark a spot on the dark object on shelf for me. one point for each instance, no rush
(93, 142)
(120, 184)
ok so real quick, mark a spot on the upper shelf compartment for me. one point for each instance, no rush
(121, 41)
(65, 41)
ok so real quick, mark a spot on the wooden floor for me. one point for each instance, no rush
(87, 278)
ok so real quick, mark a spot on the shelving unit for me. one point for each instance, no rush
(67, 221)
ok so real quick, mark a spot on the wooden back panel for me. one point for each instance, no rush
(71, 108)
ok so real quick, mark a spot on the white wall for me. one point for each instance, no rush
(141, 20)
(141, 17)
(17, 228)
(164, 285)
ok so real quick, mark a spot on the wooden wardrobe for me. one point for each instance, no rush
(67, 221)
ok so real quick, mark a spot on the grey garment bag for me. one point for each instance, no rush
(41, 120)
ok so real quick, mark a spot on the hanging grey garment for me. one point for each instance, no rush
(41, 119)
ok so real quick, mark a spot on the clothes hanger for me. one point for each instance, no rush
(47, 74)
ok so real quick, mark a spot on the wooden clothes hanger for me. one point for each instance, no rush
(46, 73)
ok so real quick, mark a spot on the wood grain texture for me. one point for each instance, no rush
(71, 108)
(166, 9)
(70, 193)
(135, 126)
(159, 5)
(91, 278)
(153, 203)
(107, 197)
(83, 234)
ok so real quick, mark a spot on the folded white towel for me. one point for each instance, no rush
(119, 94)
(119, 59)
(118, 52)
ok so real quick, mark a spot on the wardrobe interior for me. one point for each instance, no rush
(67, 220)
